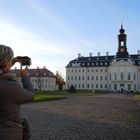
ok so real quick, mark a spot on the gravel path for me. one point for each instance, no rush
(102, 117)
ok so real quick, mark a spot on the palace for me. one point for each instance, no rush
(120, 72)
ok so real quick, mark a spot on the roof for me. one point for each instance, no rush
(100, 61)
(42, 72)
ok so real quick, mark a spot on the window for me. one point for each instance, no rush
(88, 78)
(82, 85)
(92, 86)
(96, 77)
(134, 86)
(83, 78)
(129, 76)
(129, 86)
(122, 76)
(110, 76)
(96, 70)
(115, 76)
(122, 43)
(101, 86)
(106, 78)
(92, 77)
(71, 77)
(75, 77)
(79, 78)
(101, 78)
(83, 64)
(79, 85)
(134, 76)
(96, 85)
(115, 86)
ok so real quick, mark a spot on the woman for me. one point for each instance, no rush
(12, 94)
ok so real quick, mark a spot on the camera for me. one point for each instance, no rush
(25, 60)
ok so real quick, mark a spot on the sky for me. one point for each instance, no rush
(53, 32)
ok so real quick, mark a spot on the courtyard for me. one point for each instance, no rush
(98, 117)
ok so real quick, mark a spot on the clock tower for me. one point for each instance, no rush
(122, 48)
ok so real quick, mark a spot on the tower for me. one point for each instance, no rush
(122, 48)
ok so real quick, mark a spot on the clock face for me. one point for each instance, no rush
(122, 50)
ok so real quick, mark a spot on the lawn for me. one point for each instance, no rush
(137, 95)
(55, 95)
(43, 97)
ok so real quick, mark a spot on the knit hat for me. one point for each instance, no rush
(6, 53)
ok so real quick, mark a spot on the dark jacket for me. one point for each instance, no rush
(12, 94)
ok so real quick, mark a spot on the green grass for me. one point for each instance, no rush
(137, 95)
(55, 95)
(42, 97)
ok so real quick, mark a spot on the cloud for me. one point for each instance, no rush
(25, 43)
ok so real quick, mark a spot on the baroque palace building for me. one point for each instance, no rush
(120, 72)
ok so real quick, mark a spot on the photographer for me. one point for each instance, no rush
(12, 94)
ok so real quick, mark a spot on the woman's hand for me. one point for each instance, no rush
(15, 59)
(24, 72)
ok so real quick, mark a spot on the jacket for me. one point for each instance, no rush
(12, 94)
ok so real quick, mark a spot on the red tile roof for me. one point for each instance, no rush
(42, 72)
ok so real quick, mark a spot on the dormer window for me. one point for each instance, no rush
(97, 64)
(83, 64)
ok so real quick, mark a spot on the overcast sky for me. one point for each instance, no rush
(53, 32)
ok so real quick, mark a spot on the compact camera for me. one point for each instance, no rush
(25, 60)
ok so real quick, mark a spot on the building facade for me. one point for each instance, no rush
(41, 78)
(120, 72)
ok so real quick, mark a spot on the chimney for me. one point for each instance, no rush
(79, 55)
(138, 52)
(90, 54)
(44, 67)
(107, 53)
(98, 54)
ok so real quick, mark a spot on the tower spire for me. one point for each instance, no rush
(121, 25)
(122, 30)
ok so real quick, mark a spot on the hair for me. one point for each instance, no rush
(6, 54)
